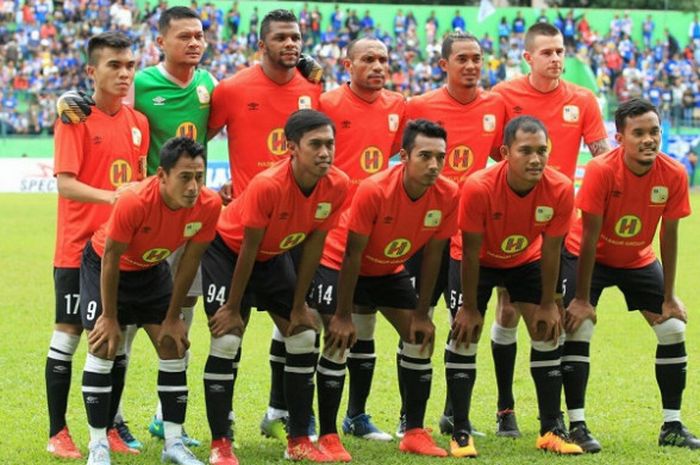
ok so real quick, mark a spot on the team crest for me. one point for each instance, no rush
(192, 228)
(571, 113)
(323, 210)
(432, 219)
(304, 102)
(659, 194)
(136, 136)
(393, 122)
(543, 214)
(489, 123)
(203, 95)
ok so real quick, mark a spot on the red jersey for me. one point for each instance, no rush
(366, 134)
(254, 110)
(153, 231)
(104, 152)
(631, 207)
(569, 112)
(274, 201)
(397, 226)
(512, 226)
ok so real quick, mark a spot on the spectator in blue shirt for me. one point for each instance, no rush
(458, 23)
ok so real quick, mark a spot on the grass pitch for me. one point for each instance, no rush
(623, 401)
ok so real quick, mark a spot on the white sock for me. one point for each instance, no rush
(274, 413)
(172, 432)
(97, 434)
(671, 415)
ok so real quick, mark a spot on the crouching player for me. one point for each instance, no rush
(623, 196)
(513, 218)
(293, 203)
(392, 215)
(124, 279)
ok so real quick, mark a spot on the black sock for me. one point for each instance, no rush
(575, 367)
(361, 362)
(504, 365)
(671, 366)
(460, 374)
(58, 371)
(330, 377)
(172, 389)
(278, 356)
(97, 390)
(118, 375)
(219, 379)
(399, 379)
(417, 373)
(545, 367)
(299, 381)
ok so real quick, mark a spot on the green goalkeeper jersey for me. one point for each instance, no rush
(172, 110)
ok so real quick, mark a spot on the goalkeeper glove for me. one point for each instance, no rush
(73, 107)
(310, 68)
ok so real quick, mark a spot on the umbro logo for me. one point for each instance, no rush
(146, 229)
(97, 140)
(388, 219)
(284, 216)
(616, 193)
(252, 106)
(216, 388)
(346, 124)
(517, 109)
(60, 369)
(181, 399)
(497, 216)
(158, 101)
(92, 400)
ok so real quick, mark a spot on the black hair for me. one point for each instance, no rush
(178, 147)
(523, 123)
(424, 127)
(175, 13)
(302, 121)
(114, 40)
(351, 46)
(539, 29)
(456, 37)
(279, 15)
(630, 109)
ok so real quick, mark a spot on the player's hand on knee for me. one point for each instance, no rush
(173, 331)
(74, 107)
(310, 68)
(226, 193)
(546, 323)
(672, 308)
(340, 335)
(467, 326)
(301, 318)
(225, 321)
(422, 331)
(578, 311)
(106, 331)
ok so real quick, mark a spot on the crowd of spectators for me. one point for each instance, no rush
(42, 43)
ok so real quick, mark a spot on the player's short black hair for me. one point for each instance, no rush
(351, 46)
(523, 123)
(630, 109)
(456, 37)
(114, 40)
(302, 121)
(424, 127)
(175, 13)
(539, 29)
(178, 147)
(280, 15)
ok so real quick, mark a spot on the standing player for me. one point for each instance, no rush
(367, 118)
(124, 279)
(570, 113)
(263, 97)
(624, 195)
(513, 218)
(393, 214)
(93, 163)
(474, 122)
(293, 203)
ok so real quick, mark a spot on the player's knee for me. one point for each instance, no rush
(65, 343)
(301, 343)
(225, 346)
(584, 333)
(175, 365)
(414, 351)
(503, 335)
(70, 329)
(365, 325)
(671, 331)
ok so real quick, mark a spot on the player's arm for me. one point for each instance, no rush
(468, 321)
(668, 246)
(227, 318)
(421, 322)
(599, 147)
(547, 314)
(173, 326)
(106, 329)
(70, 188)
(340, 333)
(310, 258)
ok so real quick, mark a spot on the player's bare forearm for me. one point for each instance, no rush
(349, 272)
(592, 225)
(109, 276)
(599, 147)
(471, 247)
(549, 264)
(430, 268)
(184, 276)
(668, 246)
(70, 188)
(311, 256)
(244, 266)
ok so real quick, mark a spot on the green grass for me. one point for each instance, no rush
(623, 400)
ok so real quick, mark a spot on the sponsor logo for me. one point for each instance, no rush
(276, 142)
(432, 219)
(371, 159)
(460, 158)
(397, 248)
(119, 172)
(192, 228)
(628, 226)
(187, 129)
(292, 240)
(514, 244)
(155, 255)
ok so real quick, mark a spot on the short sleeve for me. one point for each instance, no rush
(678, 205)
(212, 210)
(127, 215)
(564, 213)
(258, 203)
(472, 208)
(593, 126)
(593, 192)
(68, 147)
(219, 115)
(363, 209)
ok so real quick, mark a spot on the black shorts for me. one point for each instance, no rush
(143, 296)
(523, 283)
(643, 288)
(270, 288)
(389, 291)
(66, 284)
(413, 266)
